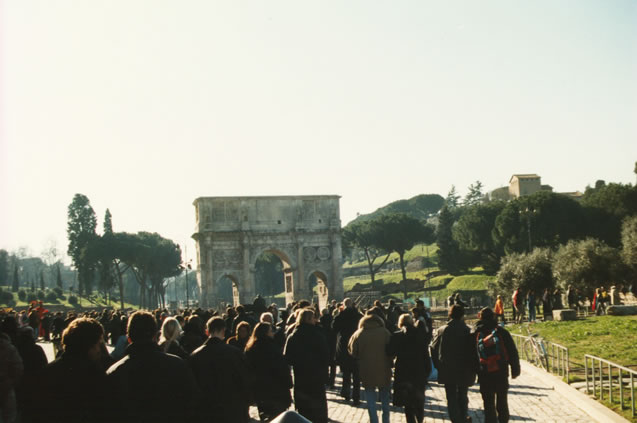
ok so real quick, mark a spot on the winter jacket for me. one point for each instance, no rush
(453, 354)
(495, 381)
(413, 366)
(222, 374)
(70, 389)
(11, 369)
(149, 385)
(307, 352)
(272, 377)
(345, 324)
(368, 345)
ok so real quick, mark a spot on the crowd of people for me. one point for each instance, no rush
(202, 365)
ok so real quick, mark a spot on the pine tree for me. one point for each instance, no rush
(58, 280)
(42, 280)
(475, 195)
(448, 251)
(81, 231)
(16, 281)
(108, 223)
(452, 200)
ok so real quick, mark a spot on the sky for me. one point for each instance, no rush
(145, 105)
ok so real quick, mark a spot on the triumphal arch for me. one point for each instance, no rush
(303, 231)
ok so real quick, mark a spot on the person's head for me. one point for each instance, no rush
(83, 337)
(486, 314)
(420, 304)
(347, 302)
(240, 309)
(261, 331)
(405, 320)
(266, 317)
(170, 330)
(216, 327)
(306, 316)
(243, 330)
(500, 297)
(142, 327)
(456, 311)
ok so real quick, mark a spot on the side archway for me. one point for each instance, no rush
(227, 288)
(319, 287)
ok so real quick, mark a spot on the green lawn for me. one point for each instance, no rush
(419, 250)
(85, 303)
(613, 338)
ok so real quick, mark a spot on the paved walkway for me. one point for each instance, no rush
(530, 400)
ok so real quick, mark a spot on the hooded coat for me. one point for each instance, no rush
(368, 345)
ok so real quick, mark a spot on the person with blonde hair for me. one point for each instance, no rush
(170, 332)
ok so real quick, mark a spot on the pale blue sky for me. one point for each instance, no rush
(145, 105)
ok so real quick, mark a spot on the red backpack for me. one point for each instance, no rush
(492, 353)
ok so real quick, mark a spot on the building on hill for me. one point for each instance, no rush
(521, 185)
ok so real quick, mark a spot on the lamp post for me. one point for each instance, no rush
(187, 266)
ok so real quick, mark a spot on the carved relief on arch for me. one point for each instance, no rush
(227, 258)
(316, 254)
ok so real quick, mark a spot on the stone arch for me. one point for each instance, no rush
(323, 286)
(232, 232)
(289, 267)
(235, 287)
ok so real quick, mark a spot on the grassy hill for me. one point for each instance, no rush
(421, 263)
(421, 206)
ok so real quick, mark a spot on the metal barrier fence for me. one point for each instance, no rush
(632, 375)
(557, 356)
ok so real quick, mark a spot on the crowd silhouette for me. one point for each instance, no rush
(206, 366)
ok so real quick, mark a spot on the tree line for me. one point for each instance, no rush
(103, 260)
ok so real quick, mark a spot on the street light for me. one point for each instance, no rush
(187, 266)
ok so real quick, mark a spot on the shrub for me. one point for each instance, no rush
(51, 297)
(73, 299)
(58, 291)
(31, 297)
(6, 297)
(40, 294)
(22, 294)
(62, 297)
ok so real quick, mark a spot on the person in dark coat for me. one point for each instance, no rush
(307, 352)
(345, 324)
(193, 335)
(240, 339)
(326, 324)
(35, 361)
(72, 388)
(148, 385)
(273, 380)
(494, 384)
(412, 368)
(222, 375)
(453, 354)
